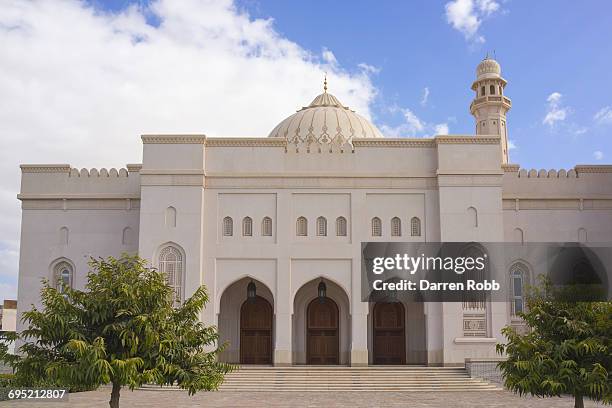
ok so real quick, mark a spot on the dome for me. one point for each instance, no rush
(325, 121)
(488, 68)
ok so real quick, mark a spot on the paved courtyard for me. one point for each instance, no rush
(180, 399)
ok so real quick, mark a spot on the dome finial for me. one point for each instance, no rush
(325, 83)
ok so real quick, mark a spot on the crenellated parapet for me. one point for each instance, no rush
(580, 182)
(61, 181)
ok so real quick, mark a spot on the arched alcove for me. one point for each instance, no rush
(253, 320)
(170, 217)
(314, 326)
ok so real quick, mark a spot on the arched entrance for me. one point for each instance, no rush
(322, 342)
(389, 333)
(256, 331)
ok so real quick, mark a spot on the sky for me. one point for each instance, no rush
(81, 80)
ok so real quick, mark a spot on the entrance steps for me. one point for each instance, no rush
(340, 378)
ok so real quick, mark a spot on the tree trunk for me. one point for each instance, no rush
(114, 401)
(578, 401)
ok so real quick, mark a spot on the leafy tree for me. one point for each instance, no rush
(568, 349)
(122, 330)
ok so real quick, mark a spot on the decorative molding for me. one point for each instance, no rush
(511, 168)
(172, 172)
(78, 196)
(134, 168)
(173, 139)
(593, 168)
(246, 142)
(45, 168)
(394, 142)
(467, 139)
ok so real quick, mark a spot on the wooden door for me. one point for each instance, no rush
(256, 332)
(323, 342)
(389, 333)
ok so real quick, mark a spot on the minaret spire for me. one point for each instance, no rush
(490, 104)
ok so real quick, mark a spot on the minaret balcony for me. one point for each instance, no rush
(490, 99)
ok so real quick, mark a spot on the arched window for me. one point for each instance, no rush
(472, 217)
(63, 236)
(171, 217)
(582, 235)
(519, 236)
(171, 264)
(63, 275)
(247, 227)
(266, 227)
(322, 226)
(396, 227)
(415, 227)
(228, 227)
(482, 91)
(126, 237)
(341, 227)
(376, 227)
(301, 227)
(492, 89)
(518, 277)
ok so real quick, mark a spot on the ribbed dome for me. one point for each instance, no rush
(488, 68)
(325, 121)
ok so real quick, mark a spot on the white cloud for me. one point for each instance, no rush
(604, 115)
(512, 145)
(441, 129)
(598, 155)
(425, 96)
(369, 69)
(329, 57)
(466, 16)
(555, 111)
(412, 125)
(79, 86)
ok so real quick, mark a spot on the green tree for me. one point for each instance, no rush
(567, 349)
(121, 330)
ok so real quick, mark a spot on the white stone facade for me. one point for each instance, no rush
(225, 212)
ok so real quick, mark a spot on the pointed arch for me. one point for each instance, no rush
(582, 235)
(301, 227)
(62, 273)
(396, 227)
(519, 278)
(228, 227)
(170, 217)
(341, 227)
(519, 235)
(266, 227)
(322, 226)
(126, 236)
(64, 236)
(376, 227)
(472, 217)
(171, 262)
(247, 227)
(415, 227)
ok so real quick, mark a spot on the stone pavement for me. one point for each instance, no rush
(180, 399)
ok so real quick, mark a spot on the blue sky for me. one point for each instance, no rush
(81, 80)
(543, 46)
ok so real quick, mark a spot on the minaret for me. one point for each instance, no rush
(490, 106)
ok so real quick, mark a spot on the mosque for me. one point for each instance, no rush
(273, 225)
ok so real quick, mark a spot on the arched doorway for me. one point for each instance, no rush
(256, 331)
(322, 341)
(389, 333)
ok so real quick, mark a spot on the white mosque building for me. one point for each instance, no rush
(280, 220)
